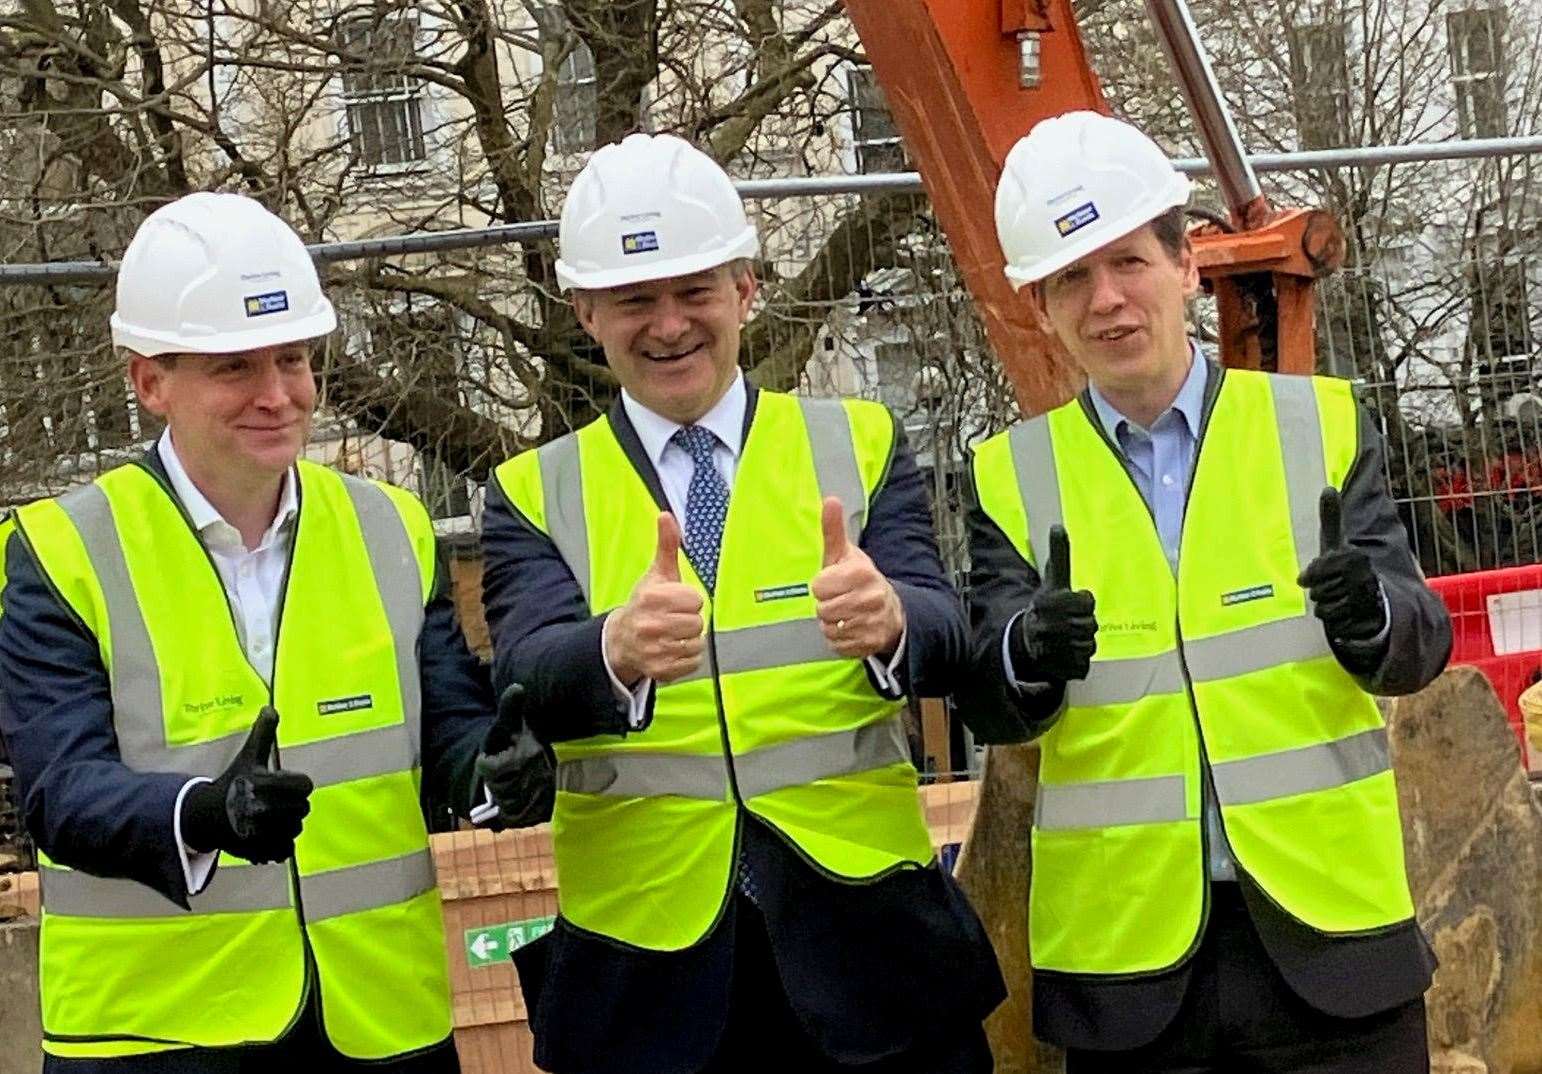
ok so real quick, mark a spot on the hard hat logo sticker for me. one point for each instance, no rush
(1076, 219)
(272, 302)
(639, 242)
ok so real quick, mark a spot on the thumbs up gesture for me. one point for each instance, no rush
(1057, 632)
(858, 610)
(659, 632)
(251, 810)
(1341, 582)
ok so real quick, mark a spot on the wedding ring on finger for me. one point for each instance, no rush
(840, 626)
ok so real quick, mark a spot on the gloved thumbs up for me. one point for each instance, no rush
(510, 721)
(1057, 572)
(1332, 525)
(1341, 581)
(515, 768)
(1057, 632)
(260, 742)
(250, 810)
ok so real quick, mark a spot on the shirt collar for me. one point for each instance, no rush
(203, 513)
(725, 420)
(1189, 402)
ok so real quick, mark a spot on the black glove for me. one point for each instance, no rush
(251, 810)
(1057, 633)
(1341, 581)
(515, 767)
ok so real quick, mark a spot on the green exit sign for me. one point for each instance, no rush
(491, 944)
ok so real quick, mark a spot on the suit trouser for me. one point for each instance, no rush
(1240, 1017)
(763, 1032)
(304, 1048)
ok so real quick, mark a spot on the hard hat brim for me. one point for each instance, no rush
(746, 244)
(151, 343)
(1173, 196)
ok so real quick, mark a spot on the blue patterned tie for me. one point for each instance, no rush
(706, 510)
(706, 503)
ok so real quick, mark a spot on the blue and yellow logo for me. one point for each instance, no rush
(639, 242)
(272, 302)
(1076, 219)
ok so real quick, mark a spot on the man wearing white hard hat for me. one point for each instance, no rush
(718, 597)
(1218, 879)
(225, 673)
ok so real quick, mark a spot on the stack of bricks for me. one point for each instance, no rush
(499, 891)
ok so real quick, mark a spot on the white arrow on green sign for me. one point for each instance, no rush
(492, 944)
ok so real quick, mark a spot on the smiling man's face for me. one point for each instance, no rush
(1119, 311)
(244, 415)
(674, 343)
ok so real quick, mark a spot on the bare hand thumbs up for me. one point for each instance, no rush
(832, 520)
(666, 560)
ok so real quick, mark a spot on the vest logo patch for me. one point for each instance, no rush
(781, 592)
(345, 704)
(213, 704)
(272, 302)
(639, 242)
(1076, 219)
(1128, 626)
(1242, 596)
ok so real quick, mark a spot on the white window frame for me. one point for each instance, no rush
(409, 97)
(1466, 82)
(854, 74)
(1312, 33)
(571, 80)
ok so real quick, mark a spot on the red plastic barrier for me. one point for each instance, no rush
(1466, 598)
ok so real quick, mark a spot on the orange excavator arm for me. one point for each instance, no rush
(965, 79)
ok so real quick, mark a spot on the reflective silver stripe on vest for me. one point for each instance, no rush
(562, 496)
(795, 641)
(346, 758)
(364, 887)
(1302, 771)
(636, 774)
(136, 678)
(232, 889)
(1306, 469)
(806, 760)
(1305, 770)
(1257, 648)
(1124, 682)
(1107, 804)
(761, 771)
(394, 563)
(835, 459)
(1038, 483)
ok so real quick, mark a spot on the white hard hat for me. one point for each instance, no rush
(1076, 183)
(216, 273)
(651, 207)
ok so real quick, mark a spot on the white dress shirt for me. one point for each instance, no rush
(675, 468)
(253, 580)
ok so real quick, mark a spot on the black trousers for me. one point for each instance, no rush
(303, 1049)
(763, 1032)
(1240, 1017)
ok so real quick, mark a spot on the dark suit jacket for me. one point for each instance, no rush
(1348, 976)
(87, 810)
(870, 969)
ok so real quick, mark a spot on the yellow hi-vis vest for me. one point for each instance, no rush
(774, 722)
(1222, 670)
(123, 971)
